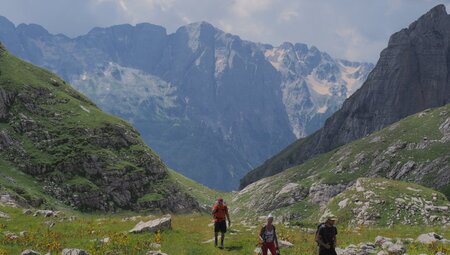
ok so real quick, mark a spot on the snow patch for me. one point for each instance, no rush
(322, 109)
(319, 86)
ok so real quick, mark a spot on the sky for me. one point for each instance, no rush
(351, 29)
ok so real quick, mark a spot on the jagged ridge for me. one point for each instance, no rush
(411, 75)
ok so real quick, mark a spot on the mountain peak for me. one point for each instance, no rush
(438, 10)
(199, 27)
(410, 76)
(432, 19)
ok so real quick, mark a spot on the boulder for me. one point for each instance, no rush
(155, 253)
(73, 251)
(27, 211)
(153, 225)
(284, 243)
(30, 252)
(380, 240)
(396, 249)
(4, 215)
(429, 238)
(46, 213)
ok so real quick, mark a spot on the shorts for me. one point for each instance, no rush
(220, 226)
(323, 251)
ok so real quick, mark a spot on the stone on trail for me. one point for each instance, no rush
(209, 241)
(153, 225)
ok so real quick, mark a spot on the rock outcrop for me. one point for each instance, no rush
(370, 202)
(79, 154)
(410, 76)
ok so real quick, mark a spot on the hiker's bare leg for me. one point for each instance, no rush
(222, 237)
(216, 234)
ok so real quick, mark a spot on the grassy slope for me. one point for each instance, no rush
(71, 115)
(187, 236)
(322, 168)
(382, 197)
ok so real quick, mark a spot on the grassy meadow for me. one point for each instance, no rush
(190, 234)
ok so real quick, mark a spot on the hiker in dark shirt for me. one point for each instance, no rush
(326, 236)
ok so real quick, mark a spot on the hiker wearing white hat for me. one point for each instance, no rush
(326, 236)
(268, 237)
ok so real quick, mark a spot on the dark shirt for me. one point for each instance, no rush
(328, 234)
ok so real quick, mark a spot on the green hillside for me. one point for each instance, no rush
(379, 201)
(72, 151)
(415, 149)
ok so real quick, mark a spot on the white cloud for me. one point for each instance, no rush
(355, 29)
(288, 15)
(246, 8)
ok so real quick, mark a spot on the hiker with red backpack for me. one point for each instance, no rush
(326, 236)
(220, 215)
(268, 238)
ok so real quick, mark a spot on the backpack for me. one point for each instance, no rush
(317, 230)
(220, 212)
(263, 230)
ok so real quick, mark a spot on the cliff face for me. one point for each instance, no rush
(77, 153)
(411, 75)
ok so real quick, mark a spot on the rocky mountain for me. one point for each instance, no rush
(411, 75)
(212, 105)
(55, 144)
(414, 150)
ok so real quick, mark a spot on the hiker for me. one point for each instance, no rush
(268, 237)
(220, 214)
(326, 236)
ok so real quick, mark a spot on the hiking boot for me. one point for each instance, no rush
(221, 246)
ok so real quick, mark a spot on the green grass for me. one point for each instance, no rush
(186, 237)
(64, 130)
(322, 168)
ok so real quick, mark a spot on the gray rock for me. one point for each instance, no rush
(429, 238)
(322, 193)
(153, 225)
(155, 253)
(287, 244)
(396, 249)
(46, 213)
(30, 252)
(72, 251)
(27, 211)
(4, 215)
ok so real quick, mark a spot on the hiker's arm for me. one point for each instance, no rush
(261, 235)
(228, 217)
(213, 212)
(320, 242)
(276, 239)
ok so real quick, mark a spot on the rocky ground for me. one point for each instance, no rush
(413, 150)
